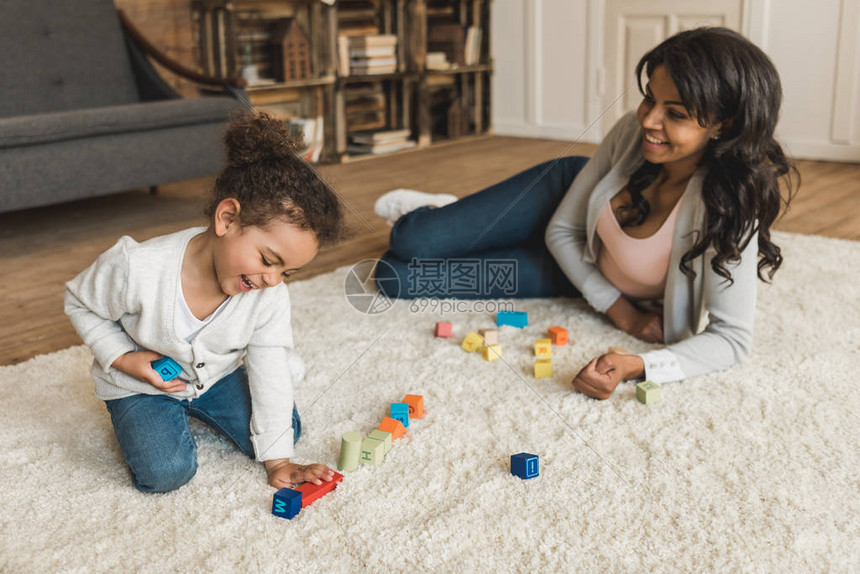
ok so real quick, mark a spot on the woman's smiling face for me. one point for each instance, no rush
(672, 135)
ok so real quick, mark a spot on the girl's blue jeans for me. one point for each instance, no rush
(156, 440)
(462, 250)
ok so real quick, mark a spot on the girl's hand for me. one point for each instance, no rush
(284, 474)
(137, 365)
(645, 326)
(599, 378)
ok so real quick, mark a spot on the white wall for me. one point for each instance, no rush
(549, 64)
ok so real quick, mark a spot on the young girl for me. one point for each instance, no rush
(664, 230)
(212, 299)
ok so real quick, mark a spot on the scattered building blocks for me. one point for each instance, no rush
(372, 451)
(444, 329)
(416, 405)
(558, 336)
(382, 436)
(620, 350)
(394, 426)
(287, 503)
(350, 451)
(490, 336)
(543, 369)
(400, 411)
(491, 352)
(543, 348)
(517, 319)
(648, 392)
(472, 342)
(310, 492)
(167, 368)
(524, 465)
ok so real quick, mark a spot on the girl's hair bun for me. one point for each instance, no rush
(253, 138)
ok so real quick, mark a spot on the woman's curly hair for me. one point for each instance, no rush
(269, 179)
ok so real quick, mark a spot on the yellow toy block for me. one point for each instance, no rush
(491, 352)
(543, 369)
(543, 348)
(490, 336)
(472, 342)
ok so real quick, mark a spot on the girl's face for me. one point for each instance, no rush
(671, 134)
(252, 257)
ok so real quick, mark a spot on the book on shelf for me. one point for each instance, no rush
(380, 148)
(380, 136)
(437, 61)
(367, 55)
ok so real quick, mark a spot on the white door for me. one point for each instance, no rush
(635, 26)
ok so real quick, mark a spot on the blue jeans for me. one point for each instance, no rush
(478, 228)
(156, 440)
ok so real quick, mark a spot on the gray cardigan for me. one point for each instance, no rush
(707, 323)
(127, 301)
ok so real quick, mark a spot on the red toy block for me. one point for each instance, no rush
(558, 336)
(311, 492)
(416, 405)
(444, 329)
(394, 426)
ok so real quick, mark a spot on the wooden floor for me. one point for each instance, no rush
(41, 249)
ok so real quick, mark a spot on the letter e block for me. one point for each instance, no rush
(287, 503)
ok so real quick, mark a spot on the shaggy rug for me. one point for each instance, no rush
(749, 470)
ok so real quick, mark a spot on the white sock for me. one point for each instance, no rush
(393, 204)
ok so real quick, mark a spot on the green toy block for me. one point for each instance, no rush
(372, 451)
(350, 451)
(383, 436)
(648, 392)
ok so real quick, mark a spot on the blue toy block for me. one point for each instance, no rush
(517, 319)
(287, 503)
(524, 465)
(167, 368)
(400, 411)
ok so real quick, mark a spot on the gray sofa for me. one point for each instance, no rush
(84, 113)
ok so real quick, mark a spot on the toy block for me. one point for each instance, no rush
(524, 465)
(287, 503)
(382, 436)
(491, 352)
(350, 451)
(648, 392)
(472, 342)
(167, 368)
(416, 405)
(311, 492)
(490, 336)
(543, 348)
(372, 451)
(400, 411)
(517, 319)
(444, 329)
(394, 426)
(543, 369)
(558, 336)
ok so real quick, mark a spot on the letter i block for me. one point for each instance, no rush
(372, 451)
(648, 392)
(543, 369)
(167, 368)
(517, 319)
(394, 426)
(287, 503)
(491, 352)
(558, 336)
(524, 465)
(311, 492)
(444, 329)
(381, 436)
(543, 348)
(472, 342)
(416, 405)
(490, 336)
(400, 411)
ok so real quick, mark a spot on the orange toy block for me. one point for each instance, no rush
(416, 405)
(311, 492)
(558, 336)
(543, 348)
(472, 342)
(394, 426)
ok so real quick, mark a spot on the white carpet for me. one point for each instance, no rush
(754, 469)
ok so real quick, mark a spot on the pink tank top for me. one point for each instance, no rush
(637, 267)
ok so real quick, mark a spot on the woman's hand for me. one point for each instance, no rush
(284, 474)
(599, 378)
(647, 327)
(137, 365)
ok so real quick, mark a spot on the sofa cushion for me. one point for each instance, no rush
(62, 56)
(59, 126)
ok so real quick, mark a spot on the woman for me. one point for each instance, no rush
(669, 220)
